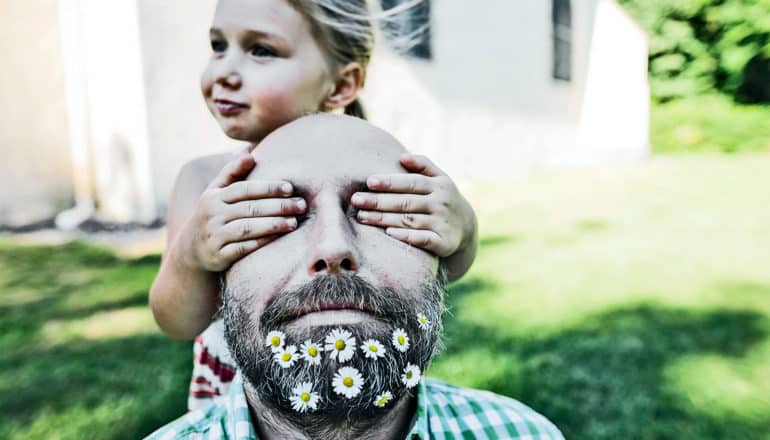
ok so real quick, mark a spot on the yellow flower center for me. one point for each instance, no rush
(348, 382)
(305, 397)
(401, 339)
(276, 341)
(286, 357)
(423, 319)
(312, 351)
(408, 374)
(373, 348)
(383, 400)
(340, 344)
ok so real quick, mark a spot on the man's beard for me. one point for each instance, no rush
(273, 385)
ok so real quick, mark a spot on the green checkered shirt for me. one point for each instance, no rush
(444, 412)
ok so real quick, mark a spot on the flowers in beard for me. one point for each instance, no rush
(373, 349)
(348, 382)
(286, 357)
(311, 352)
(383, 399)
(400, 340)
(340, 345)
(275, 340)
(423, 322)
(411, 375)
(303, 398)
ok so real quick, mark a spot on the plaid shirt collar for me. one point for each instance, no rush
(443, 412)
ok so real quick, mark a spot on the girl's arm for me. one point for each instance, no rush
(424, 209)
(209, 228)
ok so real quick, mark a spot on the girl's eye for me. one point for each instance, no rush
(261, 50)
(218, 46)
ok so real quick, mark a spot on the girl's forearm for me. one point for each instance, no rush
(458, 263)
(183, 297)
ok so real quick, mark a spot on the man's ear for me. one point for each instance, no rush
(349, 81)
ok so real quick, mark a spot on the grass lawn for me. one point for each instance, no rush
(620, 303)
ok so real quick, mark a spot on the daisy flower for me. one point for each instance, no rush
(400, 340)
(341, 345)
(275, 340)
(303, 397)
(383, 399)
(348, 382)
(311, 352)
(423, 321)
(286, 357)
(411, 376)
(373, 349)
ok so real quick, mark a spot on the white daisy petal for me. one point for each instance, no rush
(303, 398)
(348, 382)
(373, 349)
(311, 352)
(411, 376)
(275, 340)
(286, 357)
(400, 340)
(383, 399)
(340, 345)
(423, 322)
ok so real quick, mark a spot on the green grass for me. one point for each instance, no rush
(711, 123)
(620, 303)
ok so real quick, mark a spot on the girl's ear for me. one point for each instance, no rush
(349, 81)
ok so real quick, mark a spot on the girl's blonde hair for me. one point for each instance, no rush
(346, 30)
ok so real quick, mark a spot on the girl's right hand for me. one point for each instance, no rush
(234, 217)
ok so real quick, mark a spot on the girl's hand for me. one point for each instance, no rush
(423, 208)
(234, 217)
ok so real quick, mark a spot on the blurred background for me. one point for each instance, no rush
(615, 152)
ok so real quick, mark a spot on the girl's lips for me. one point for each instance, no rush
(229, 108)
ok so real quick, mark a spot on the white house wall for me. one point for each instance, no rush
(34, 136)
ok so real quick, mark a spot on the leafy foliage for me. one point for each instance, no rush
(699, 45)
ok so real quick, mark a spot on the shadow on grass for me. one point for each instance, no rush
(603, 379)
(122, 387)
(141, 381)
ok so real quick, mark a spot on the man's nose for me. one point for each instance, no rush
(334, 250)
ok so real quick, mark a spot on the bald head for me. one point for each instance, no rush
(331, 146)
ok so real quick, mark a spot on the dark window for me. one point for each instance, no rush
(414, 22)
(562, 39)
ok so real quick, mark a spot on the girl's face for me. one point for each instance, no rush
(266, 69)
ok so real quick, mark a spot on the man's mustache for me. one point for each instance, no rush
(330, 292)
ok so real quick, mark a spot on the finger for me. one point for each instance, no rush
(234, 171)
(391, 202)
(388, 219)
(252, 228)
(265, 208)
(416, 163)
(428, 240)
(256, 189)
(400, 183)
(235, 251)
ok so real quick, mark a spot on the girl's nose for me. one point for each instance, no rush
(226, 72)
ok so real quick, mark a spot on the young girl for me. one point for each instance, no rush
(272, 62)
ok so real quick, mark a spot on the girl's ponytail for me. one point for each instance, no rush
(356, 109)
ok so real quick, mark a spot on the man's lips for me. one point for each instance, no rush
(229, 108)
(328, 307)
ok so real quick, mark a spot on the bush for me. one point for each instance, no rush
(701, 45)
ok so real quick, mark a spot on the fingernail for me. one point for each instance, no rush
(363, 215)
(395, 233)
(301, 204)
(357, 199)
(286, 187)
(373, 181)
(292, 223)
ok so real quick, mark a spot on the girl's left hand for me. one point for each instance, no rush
(422, 208)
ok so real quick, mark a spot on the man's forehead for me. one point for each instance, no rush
(327, 149)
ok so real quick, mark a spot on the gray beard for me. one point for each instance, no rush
(336, 416)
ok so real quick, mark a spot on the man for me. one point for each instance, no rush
(332, 325)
